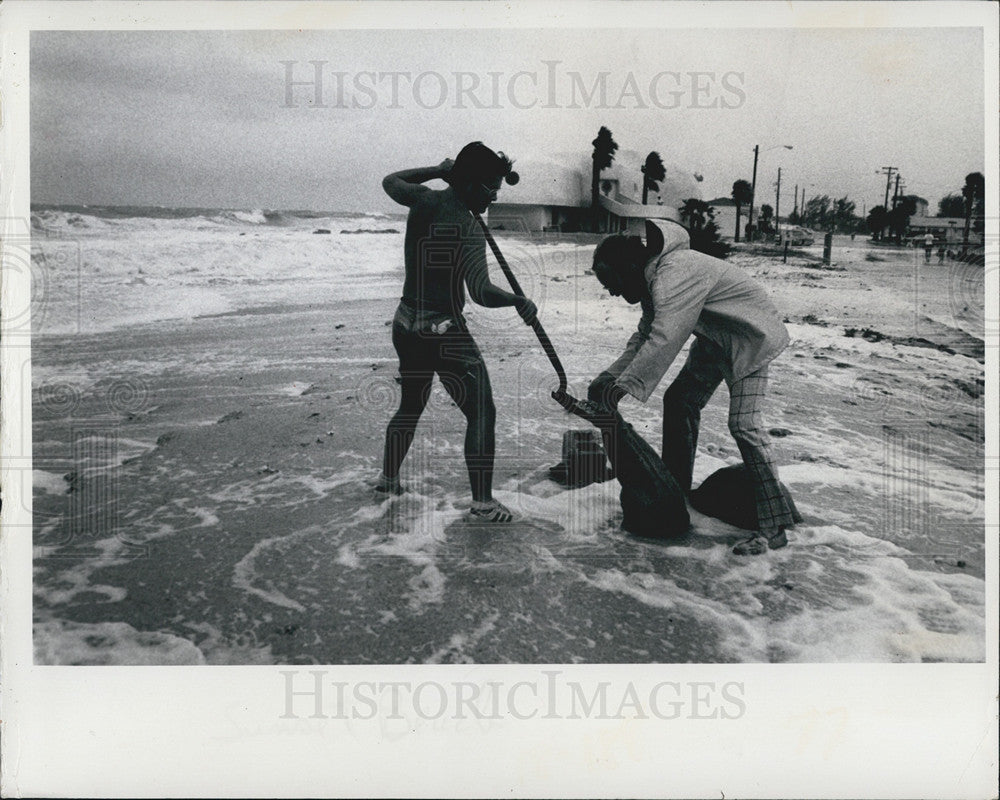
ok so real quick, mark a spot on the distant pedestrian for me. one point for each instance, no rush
(928, 247)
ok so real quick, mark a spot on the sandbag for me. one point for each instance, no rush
(652, 502)
(727, 494)
(583, 460)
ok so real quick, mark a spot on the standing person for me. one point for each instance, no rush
(445, 254)
(928, 247)
(737, 333)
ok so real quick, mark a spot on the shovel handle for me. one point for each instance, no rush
(559, 395)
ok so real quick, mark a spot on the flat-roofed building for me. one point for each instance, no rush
(554, 194)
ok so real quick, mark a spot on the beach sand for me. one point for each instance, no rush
(202, 483)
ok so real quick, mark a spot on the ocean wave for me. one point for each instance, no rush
(80, 219)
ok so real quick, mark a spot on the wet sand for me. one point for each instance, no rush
(231, 521)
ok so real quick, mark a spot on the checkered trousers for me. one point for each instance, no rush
(682, 404)
(746, 424)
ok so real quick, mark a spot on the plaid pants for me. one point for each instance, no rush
(682, 404)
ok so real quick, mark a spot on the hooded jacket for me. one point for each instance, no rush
(693, 293)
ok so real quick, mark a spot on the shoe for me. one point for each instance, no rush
(491, 511)
(758, 544)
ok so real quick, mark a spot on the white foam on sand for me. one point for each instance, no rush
(295, 389)
(456, 651)
(416, 532)
(248, 574)
(218, 649)
(874, 482)
(48, 482)
(833, 595)
(891, 612)
(97, 454)
(109, 644)
(740, 638)
(413, 529)
(66, 583)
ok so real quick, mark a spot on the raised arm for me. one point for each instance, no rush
(405, 186)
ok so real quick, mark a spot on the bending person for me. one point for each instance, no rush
(737, 333)
(445, 254)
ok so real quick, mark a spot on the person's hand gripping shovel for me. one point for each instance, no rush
(529, 313)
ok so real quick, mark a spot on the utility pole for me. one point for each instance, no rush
(753, 190)
(895, 193)
(795, 195)
(777, 205)
(888, 182)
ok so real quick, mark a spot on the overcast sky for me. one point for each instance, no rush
(202, 118)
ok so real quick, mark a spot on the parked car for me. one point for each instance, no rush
(798, 236)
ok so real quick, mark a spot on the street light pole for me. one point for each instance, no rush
(777, 206)
(753, 183)
(802, 207)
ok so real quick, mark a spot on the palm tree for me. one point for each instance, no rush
(766, 218)
(952, 205)
(816, 211)
(843, 215)
(742, 194)
(878, 219)
(899, 217)
(973, 192)
(653, 172)
(696, 214)
(603, 157)
(699, 218)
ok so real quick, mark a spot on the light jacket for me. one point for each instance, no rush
(693, 293)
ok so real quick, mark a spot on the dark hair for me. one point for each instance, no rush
(477, 162)
(616, 252)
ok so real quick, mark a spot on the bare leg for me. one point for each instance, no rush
(473, 394)
(399, 433)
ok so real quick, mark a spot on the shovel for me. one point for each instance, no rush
(560, 395)
(652, 502)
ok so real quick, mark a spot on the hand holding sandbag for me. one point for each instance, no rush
(605, 392)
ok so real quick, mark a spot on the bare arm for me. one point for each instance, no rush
(405, 186)
(486, 293)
